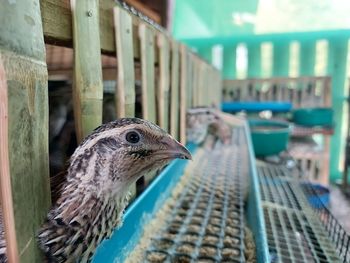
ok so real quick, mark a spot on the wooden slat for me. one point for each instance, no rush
(88, 86)
(125, 89)
(145, 10)
(189, 89)
(8, 218)
(147, 35)
(57, 25)
(164, 82)
(23, 56)
(147, 72)
(174, 114)
(183, 91)
(195, 82)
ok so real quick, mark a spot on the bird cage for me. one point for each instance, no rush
(133, 47)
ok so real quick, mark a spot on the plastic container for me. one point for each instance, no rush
(311, 117)
(269, 137)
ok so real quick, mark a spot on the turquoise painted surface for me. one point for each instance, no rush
(255, 214)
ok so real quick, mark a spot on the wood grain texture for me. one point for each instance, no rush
(147, 35)
(8, 218)
(125, 90)
(189, 89)
(57, 25)
(23, 55)
(183, 91)
(175, 74)
(164, 81)
(147, 72)
(87, 86)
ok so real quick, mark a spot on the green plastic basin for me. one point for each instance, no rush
(269, 137)
(313, 117)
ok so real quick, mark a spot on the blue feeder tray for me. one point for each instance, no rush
(256, 106)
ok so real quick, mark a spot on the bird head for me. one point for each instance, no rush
(119, 152)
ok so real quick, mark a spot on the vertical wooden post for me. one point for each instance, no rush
(174, 115)
(183, 91)
(164, 82)
(8, 218)
(125, 89)
(195, 82)
(23, 55)
(189, 89)
(148, 78)
(88, 86)
(201, 84)
(147, 72)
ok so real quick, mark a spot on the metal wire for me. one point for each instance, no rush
(295, 233)
(335, 231)
(207, 221)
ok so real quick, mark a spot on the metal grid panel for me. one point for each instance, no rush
(336, 232)
(294, 233)
(207, 221)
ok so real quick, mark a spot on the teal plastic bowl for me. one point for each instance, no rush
(269, 137)
(311, 117)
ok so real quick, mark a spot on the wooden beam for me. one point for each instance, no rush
(174, 114)
(145, 10)
(164, 82)
(125, 90)
(183, 92)
(23, 55)
(57, 25)
(8, 218)
(147, 71)
(147, 35)
(87, 85)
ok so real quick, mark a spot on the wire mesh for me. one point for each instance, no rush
(335, 231)
(206, 223)
(295, 232)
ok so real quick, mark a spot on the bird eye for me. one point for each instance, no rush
(132, 137)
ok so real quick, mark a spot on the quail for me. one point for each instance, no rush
(202, 121)
(95, 193)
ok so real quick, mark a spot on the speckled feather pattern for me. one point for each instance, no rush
(203, 120)
(95, 194)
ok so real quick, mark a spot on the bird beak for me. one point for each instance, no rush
(174, 149)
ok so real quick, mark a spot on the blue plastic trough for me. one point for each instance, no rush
(141, 211)
(256, 106)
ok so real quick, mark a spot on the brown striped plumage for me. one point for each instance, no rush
(202, 121)
(101, 169)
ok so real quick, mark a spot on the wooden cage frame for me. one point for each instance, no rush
(184, 81)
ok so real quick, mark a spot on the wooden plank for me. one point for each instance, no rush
(183, 91)
(201, 84)
(145, 10)
(147, 72)
(147, 35)
(164, 82)
(57, 25)
(23, 54)
(174, 113)
(87, 86)
(189, 90)
(8, 218)
(125, 90)
(195, 82)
